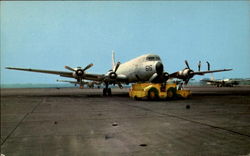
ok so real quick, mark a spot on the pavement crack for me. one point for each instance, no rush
(19, 123)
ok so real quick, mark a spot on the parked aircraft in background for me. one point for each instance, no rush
(221, 83)
(225, 82)
(145, 68)
(90, 84)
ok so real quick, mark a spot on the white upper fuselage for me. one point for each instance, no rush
(140, 68)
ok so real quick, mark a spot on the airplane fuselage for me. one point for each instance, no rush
(141, 68)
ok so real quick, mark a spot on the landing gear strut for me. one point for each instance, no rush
(107, 90)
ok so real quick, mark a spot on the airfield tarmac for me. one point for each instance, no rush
(74, 121)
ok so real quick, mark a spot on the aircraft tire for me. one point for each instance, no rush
(136, 98)
(153, 94)
(109, 92)
(104, 92)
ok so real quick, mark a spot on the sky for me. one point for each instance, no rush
(52, 34)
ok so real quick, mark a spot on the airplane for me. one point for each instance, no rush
(222, 83)
(226, 82)
(145, 68)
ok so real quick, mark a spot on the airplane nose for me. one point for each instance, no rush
(159, 67)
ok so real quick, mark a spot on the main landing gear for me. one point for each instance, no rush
(107, 90)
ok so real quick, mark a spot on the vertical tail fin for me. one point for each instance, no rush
(113, 59)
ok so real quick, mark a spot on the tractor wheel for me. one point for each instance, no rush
(171, 93)
(153, 94)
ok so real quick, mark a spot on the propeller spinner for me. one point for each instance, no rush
(112, 74)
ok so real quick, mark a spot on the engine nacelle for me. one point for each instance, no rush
(165, 75)
(78, 73)
(112, 75)
(185, 74)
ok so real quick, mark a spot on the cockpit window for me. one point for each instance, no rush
(153, 58)
(157, 58)
(150, 58)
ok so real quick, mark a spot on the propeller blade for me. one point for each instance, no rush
(88, 66)
(199, 66)
(69, 68)
(117, 66)
(153, 77)
(120, 85)
(186, 81)
(186, 62)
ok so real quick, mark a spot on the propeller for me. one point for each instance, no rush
(69, 68)
(120, 85)
(78, 73)
(187, 73)
(117, 66)
(112, 74)
(88, 66)
(153, 77)
(189, 76)
(72, 69)
(186, 62)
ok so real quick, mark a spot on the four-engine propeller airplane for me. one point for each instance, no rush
(145, 68)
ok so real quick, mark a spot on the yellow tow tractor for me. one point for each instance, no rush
(154, 91)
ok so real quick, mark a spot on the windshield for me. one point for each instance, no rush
(153, 58)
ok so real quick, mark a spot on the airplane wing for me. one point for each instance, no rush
(87, 76)
(176, 74)
(94, 77)
(73, 82)
(210, 71)
(61, 73)
(187, 73)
